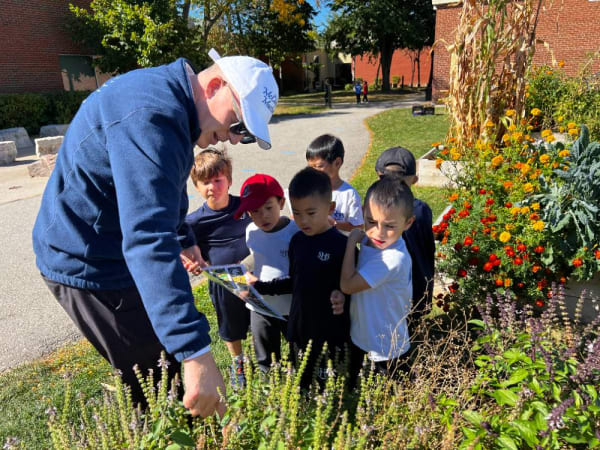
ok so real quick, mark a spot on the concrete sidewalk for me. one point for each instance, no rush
(33, 324)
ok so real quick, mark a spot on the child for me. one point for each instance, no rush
(357, 91)
(326, 154)
(268, 239)
(380, 282)
(365, 91)
(419, 239)
(317, 311)
(221, 241)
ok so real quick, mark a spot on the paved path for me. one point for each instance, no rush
(33, 324)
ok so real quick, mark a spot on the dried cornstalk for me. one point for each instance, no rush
(492, 51)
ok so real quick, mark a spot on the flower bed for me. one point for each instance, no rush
(525, 215)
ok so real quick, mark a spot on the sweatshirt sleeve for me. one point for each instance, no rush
(149, 158)
(185, 232)
(278, 286)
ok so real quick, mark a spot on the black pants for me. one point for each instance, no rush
(117, 325)
(316, 365)
(365, 99)
(390, 368)
(357, 98)
(266, 335)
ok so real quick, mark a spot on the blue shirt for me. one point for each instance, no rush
(116, 201)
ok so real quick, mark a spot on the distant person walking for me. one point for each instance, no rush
(327, 93)
(357, 91)
(365, 91)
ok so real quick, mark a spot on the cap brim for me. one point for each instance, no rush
(248, 204)
(257, 126)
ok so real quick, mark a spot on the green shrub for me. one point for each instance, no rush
(349, 87)
(396, 79)
(32, 111)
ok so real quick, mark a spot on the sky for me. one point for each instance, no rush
(322, 13)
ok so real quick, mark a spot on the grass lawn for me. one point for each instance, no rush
(27, 391)
(289, 110)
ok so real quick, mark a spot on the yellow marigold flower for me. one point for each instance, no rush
(438, 162)
(525, 168)
(539, 225)
(545, 158)
(509, 226)
(490, 124)
(455, 155)
(560, 118)
(505, 137)
(515, 210)
(546, 133)
(571, 125)
(510, 112)
(536, 112)
(561, 129)
(507, 185)
(517, 136)
(524, 209)
(550, 139)
(573, 132)
(561, 63)
(512, 127)
(497, 160)
(535, 206)
(555, 165)
(529, 128)
(526, 94)
(504, 236)
(453, 197)
(564, 153)
(528, 187)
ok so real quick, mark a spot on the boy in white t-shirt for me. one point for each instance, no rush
(381, 281)
(326, 154)
(268, 239)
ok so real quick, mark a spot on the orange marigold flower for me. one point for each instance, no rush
(507, 185)
(571, 125)
(534, 216)
(525, 168)
(507, 282)
(573, 132)
(535, 268)
(561, 63)
(438, 162)
(564, 153)
(540, 303)
(546, 133)
(489, 124)
(545, 158)
(497, 160)
(597, 254)
(524, 210)
(550, 138)
(499, 282)
(436, 144)
(528, 187)
(512, 127)
(453, 197)
(577, 262)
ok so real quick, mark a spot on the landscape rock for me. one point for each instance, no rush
(43, 167)
(48, 145)
(8, 152)
(18, 135)
(53, 130)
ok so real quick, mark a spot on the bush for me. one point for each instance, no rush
(32, 111)
(349, 87)
(396, 79)
(527, 214)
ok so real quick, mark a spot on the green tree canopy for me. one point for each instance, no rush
(380, 27)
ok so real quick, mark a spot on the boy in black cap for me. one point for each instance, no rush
(400, 162)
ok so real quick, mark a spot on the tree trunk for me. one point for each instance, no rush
(385, 56)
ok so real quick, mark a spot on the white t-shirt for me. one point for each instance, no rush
(270, 251)
(348, 207)
(378, 315)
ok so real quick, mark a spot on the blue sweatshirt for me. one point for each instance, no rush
(112, 214)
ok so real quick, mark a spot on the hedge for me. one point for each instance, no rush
(35, 110)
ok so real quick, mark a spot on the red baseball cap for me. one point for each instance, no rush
(255, 191)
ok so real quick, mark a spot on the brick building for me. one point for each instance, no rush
(365, 67)
(570, 27)
(37, 53)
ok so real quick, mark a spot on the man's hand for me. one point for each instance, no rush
(192, 259)
(251, 278)
(204, 386)
(337, 302)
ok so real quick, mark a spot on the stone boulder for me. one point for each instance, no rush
(43, 167)
(48, 145)
(53, 130)
(18, 135)
(8, 152)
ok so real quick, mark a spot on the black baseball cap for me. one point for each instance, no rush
(400, 157)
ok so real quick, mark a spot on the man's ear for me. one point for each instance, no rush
(213, 86)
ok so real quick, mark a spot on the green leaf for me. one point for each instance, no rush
(477, 322)
(506, 442)
(173, 447)
(527, 432)
(472, 416)
(505, 397)
(183, 439)
(517, 376)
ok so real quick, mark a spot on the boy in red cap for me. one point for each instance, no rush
(268, 238)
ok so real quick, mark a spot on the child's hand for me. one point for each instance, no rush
(337, 302)
(251, 278)
(356, 235)
(192, 260)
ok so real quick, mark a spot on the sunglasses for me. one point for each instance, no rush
(239, 127)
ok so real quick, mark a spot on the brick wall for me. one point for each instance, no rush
(366, 67)
(32, 37)
(570, 27)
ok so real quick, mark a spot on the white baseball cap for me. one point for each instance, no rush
(255, 85)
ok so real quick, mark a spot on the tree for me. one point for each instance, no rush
(128, 34)
(380, 27)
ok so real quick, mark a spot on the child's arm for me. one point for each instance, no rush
(346, 226)
(351, 281)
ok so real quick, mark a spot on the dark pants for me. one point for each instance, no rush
(357, 98)
(365, 98)
(316, 365)
(266, 335)
(391, 368)
(116, 324)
